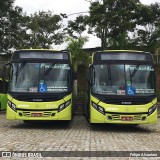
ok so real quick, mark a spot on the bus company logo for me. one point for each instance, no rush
(37, 100)
(126, 102)
(23, 105)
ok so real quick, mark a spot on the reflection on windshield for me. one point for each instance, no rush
(19, 69)
(141, 80)
(40, 77)
(123, 79)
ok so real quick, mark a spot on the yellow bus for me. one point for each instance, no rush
(3, 95)
(3, 89)
(122, 88)
(40, 85)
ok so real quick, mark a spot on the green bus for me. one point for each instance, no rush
(40, 85)
(122, 88)
(3, 89)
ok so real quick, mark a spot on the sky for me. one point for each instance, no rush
(64, 6)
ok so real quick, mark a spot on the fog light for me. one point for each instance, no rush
(20, 114)
(110, 117)
(143, 118)
(53, 114)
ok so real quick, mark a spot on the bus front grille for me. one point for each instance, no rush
(29, 114)
(117, 117)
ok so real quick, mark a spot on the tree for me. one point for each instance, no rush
(123, 41)
(10, 25)
(148, 33)
(45, 29)
(112, 19)
(77, 27)
(75, 47)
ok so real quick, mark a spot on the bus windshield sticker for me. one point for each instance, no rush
(108, 92)
(33, 89)
(56, 66)
(144, 90)
(121, 92)
(130, 90)
(42, 87)
(20, 90)
(62, 88)
(140, 68)
(57, 89)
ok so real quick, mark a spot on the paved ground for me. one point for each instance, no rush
(79, 135)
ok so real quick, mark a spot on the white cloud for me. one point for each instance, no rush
(149, 1)
(58, 6)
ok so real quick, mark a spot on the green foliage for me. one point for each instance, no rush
(75, 47)
(112, 19)
(149, 19)
(10, 25)
(45, 30)
(77, 27)
(115, 21)
(39, 30)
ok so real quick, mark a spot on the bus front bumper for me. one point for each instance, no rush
(118, 118)
(39, 114)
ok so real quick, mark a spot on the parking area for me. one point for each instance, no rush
(79, 135)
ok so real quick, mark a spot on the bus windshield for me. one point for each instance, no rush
(40, 77)
(122, 79)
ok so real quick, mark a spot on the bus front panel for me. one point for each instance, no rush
(123, 114)
(57, 110)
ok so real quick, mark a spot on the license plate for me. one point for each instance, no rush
(126, 118)
(36, 114)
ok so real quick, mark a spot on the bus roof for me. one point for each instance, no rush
(38, 50)
(122, 51)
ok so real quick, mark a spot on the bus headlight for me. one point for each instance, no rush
(98, 108)
(152, 109)
(12, 105)
(64, 105)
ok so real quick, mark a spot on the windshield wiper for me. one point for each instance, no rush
(49, 69)
(133, 73)
(19, 69)
(109, 73)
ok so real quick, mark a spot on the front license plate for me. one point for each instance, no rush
(36, 114)
(126, 118)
